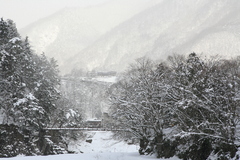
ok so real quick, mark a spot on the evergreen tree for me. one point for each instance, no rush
(47, 81)
(28, 87)
(11, 81)
(29, 82)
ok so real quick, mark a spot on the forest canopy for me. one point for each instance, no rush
(29, 97)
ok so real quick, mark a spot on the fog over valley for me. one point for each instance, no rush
(120, 79)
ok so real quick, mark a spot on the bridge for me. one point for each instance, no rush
(54, 131)
(84, 129)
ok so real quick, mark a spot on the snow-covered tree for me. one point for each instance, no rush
(28, 85)
(46, 85)
(11, 85)
(66, 115)
(138, 102)
(28, 82)
(204, 101)
(183, 107)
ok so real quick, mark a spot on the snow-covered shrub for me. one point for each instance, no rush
(51, 142)
(14, 142)
(166, 149)
(199, 147)
(194, 147)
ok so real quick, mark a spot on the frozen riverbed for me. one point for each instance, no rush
(91, 156)
(103, 147)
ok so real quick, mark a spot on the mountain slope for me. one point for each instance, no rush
(176, 26)
(67, 32)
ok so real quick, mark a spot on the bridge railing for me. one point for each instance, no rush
(85, 129)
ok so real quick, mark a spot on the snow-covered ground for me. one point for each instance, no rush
(103, 147)
(90, 156)
(102, 141)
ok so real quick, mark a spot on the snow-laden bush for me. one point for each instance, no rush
(14, 142)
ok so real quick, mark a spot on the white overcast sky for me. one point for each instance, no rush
(24, 12)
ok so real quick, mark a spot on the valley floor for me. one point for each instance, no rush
(103, 147)
(91, 156)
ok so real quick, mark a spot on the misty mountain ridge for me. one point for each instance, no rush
(177, 26)
(65, 33)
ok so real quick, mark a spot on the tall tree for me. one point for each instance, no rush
(10, 48)
(140, 105)
(46, 85)
(29, 82)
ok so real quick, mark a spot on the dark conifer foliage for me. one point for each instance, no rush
(29, 81)
(28, 84)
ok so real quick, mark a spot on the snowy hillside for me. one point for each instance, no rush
(177, 26)
(70, 30)
(114, 34)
